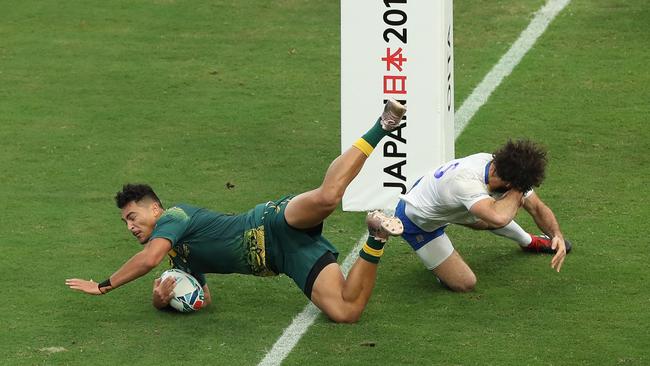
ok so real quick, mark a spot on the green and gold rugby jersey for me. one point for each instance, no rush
(210, 242)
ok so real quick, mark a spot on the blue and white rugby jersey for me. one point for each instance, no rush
(445, 195)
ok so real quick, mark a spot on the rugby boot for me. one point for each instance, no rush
(381, 226)
(392, 115)
(542, 244)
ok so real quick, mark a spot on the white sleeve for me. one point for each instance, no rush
(468, 192)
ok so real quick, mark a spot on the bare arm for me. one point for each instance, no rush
(543, 216)
(498, 213)
(546, 221)
(139, 265)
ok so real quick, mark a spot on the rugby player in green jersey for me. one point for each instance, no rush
(281, 236)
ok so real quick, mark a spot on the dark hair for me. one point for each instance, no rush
(521, 163)
(135, 192)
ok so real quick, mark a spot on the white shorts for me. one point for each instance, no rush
(432, 247)
(433, 253)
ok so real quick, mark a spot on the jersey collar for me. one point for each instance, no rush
(487, 172)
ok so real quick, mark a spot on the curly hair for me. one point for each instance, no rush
(521, 163)
(135, 192)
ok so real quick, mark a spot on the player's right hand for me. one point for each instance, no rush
(89, 287)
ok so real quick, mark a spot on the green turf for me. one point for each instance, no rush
(190, 96)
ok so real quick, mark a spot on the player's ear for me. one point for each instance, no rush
(157, 210)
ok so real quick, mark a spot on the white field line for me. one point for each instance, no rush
(479, 96)
(507, 63)
(304, 320)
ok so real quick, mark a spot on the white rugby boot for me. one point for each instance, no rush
(392, 115)
(381, 226)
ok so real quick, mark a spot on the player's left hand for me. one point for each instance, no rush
(89, 287)
(163, 291)
(557, 243)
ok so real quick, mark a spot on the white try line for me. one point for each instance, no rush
(479, 96)
(507, 63)
(304, 320)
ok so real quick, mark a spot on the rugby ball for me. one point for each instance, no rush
(188, 293)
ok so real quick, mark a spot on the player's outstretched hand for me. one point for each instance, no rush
(560, 253)
(89, 287)
(163, 291)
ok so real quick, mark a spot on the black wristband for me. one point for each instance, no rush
(105, 283)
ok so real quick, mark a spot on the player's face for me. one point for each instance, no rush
(140, 218)
(495, 183)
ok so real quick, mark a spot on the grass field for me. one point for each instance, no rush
(190, 96)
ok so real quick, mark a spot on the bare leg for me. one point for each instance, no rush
(343, 300)
(309, 209)
(455, 273)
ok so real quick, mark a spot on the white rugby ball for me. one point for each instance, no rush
(188, 293)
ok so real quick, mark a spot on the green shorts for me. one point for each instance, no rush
(292, 251)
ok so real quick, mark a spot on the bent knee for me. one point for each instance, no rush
(465, 283)
(345, 316)
(329, 199)
(465, 287)
(346, 319)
